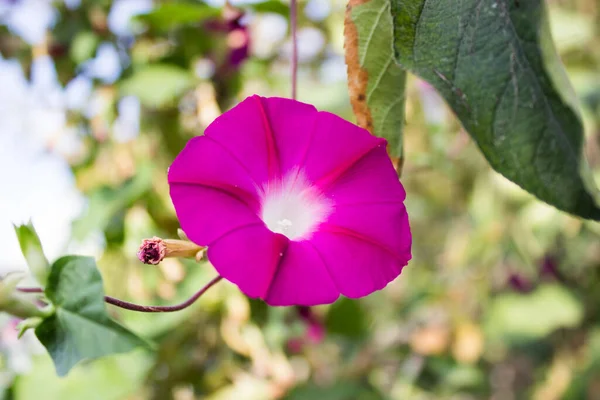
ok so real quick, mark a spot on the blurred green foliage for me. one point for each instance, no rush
(500, 301)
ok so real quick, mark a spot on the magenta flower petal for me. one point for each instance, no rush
(207, 214)
(337, 145)
(372, 180)
(371, 203)
(378, 223)
(203, 161)
(297, 206)
(357, 265)
(294, 281)
(249, 257)
(294, 124)
(209, 202)
(305, 137)
(245, 131)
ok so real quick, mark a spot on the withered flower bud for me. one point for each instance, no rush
(153, 251)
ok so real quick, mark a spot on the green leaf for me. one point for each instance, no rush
(26, 324)
(376, 82)
(170, 15)
(80, 329)
(83, 46)
(115, 377)
(31, 247)
(346, 317)
(531, 316)
(587, 370)
(107, 203)
(347, 390)
(495, 64)
(157, 84)
(270, 6)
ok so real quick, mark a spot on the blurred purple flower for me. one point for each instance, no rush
(549, 268)
(296, 206)
(237, 37)
(519, 283)
(238, 40)
(315, 330)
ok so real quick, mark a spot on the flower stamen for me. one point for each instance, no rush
(293, 207)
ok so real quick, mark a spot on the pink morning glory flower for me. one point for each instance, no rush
(296, 206)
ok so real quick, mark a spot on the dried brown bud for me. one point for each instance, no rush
(153, 251)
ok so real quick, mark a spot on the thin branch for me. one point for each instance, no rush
(30, 289)
(293, 24)
(141, 308)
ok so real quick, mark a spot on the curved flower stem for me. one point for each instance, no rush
(141, 308)
(30, 289)
(293, 24)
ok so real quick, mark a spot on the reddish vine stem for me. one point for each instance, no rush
(293, 24)
(141, 308)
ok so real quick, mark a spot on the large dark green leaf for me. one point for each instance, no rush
(80, 328)
(375, 81)
(495, 64)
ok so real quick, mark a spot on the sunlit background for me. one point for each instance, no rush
(500, 301)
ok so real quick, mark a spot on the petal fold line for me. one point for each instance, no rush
(333, 176)
(241, 195)
(338, 230)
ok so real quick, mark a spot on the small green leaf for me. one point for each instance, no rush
(495, 64)
(347, 318)
(80, 329)
(83, 46)
(170, 15)
(376, 83)
(29, 323)
(531, 316)
(158, 84)
(31, 247)
(270, 6)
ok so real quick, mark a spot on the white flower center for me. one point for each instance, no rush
(293, 207)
